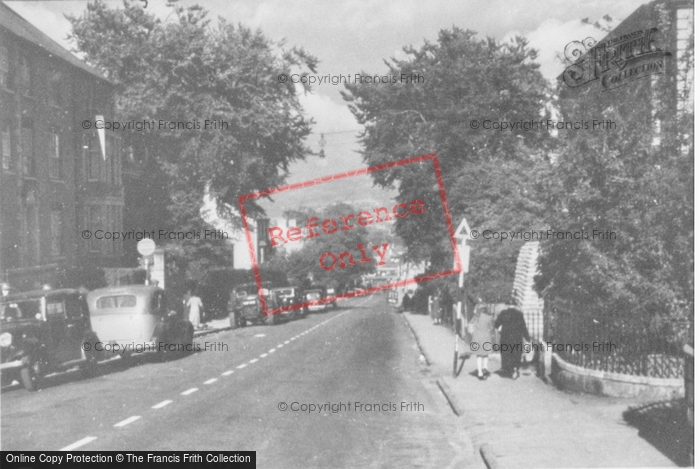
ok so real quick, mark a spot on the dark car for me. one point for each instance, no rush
(245, 305)
(45, 331)
(289, 297)
(132, 319)
(314, 295)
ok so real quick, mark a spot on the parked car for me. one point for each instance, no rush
(315, 295)
(45, 331)
(289, 297)
(133, 319)
(244, 305)
(330, 292)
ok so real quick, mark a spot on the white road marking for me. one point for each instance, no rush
(259, 335)
(241, 366)
(226, 373)
(126, 422)
(263, 355)
(253, 360)
(286, 341)
(210, 381)
(79, 443)
(280, 345)
(161, 404)
(272, 350)
(189, 391)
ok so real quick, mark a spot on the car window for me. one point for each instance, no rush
(116, 301)
(10, 312)
(55, 309)
(23, 309)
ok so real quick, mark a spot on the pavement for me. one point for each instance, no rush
(527, 423)
(212, 326)
(342, 388)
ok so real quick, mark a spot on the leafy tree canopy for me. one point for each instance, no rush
(188, 69)
(490, 176)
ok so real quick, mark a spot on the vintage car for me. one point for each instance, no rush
(244, 305)
(133, 319)
(314, 295)
(45, 331)
(330, 292)
(289, 297)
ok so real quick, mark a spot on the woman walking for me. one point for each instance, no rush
(482, 331)
(513, 331)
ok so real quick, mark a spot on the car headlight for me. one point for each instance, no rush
(5, 339)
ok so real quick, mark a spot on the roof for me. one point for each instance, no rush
(125, 290)
(22, 28)
(27, 295)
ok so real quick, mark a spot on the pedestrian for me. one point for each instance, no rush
(513, 330)
(185, 306)
(194, 307)
(482, 331)
(434, 309)
(446, 303)
(406, 301)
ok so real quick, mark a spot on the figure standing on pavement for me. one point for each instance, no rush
(482, 331)
(434, 309)
(194, 306)
(513, 331)
(446, 303)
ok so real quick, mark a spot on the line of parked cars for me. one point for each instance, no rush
(44, 331)
(245, 305)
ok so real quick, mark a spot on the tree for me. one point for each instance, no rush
(490, 176)
(306, 261)
(636, 181)
(186, 70)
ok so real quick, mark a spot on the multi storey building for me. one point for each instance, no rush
(58, 178)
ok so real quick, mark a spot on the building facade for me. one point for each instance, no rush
(59, 177)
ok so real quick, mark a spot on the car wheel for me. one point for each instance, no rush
(30, 376)
(233, 321)
(272, 319)
(188, 344)
(128, 359)
(89, 367)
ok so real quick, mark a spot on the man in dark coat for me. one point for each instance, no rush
(513, 331)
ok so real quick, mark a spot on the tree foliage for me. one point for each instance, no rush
(305, 262)
(188, 69)
(490, 176)
(636, 181)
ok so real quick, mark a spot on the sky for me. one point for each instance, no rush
(349, 36)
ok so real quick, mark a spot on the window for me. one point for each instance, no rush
(56, 96)
(56, 226)
(28, 163)
(6, 148)
(95, 157)
(54, 156)
(4, 67)
(25, 76)
(55, 308)
(116, 301)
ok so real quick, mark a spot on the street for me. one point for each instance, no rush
(231, 399)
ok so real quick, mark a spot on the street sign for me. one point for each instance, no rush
(464, 256)
(146, 247)
(463, 232)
